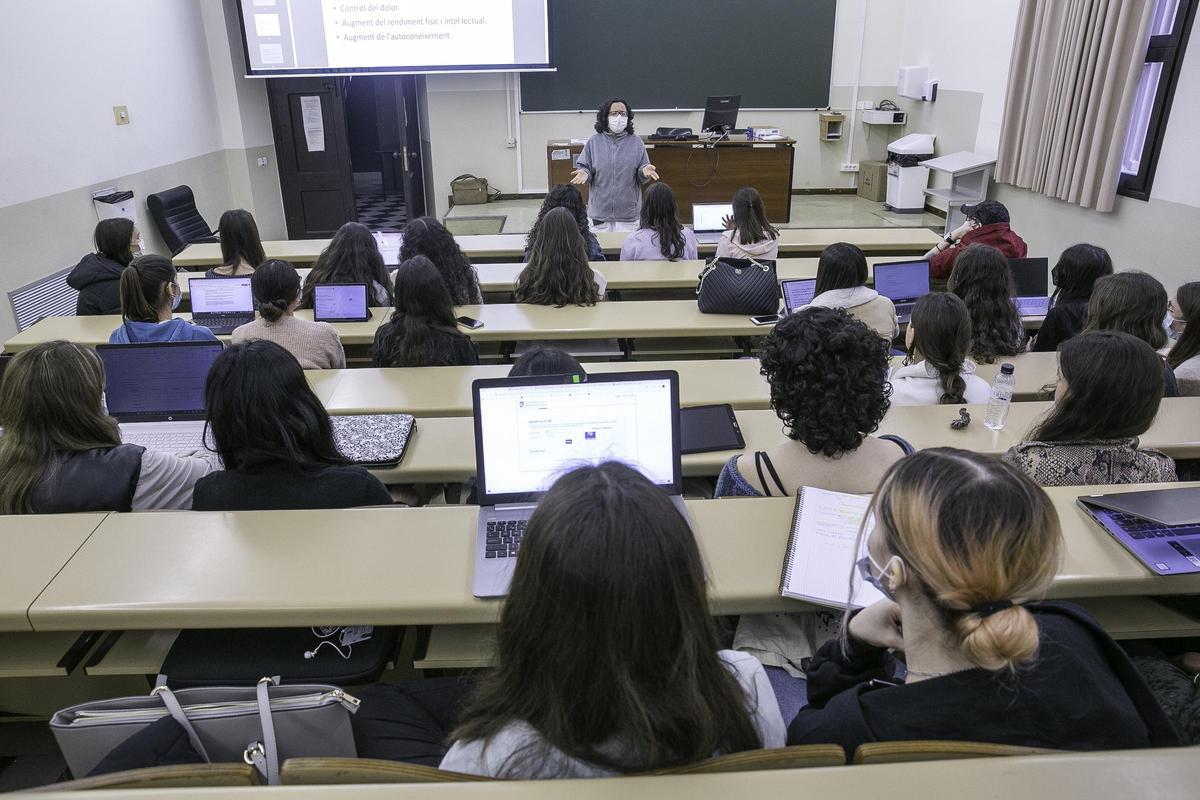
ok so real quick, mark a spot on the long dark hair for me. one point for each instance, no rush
(422, 330)
(275, 286)
(146, 287)
(606, 636)
(1077, 270)
(352, 257)
(1114, 387)
(942, 336)
(660, 214)
(602, 115)
(262, 411)
(564, 195)
(545, 361)
(982, 279)
(425, 236)
(841, 266)
(558, 273)
(113, 238)
(750, 217)
(1188, 344)
(239, 239)
(1132, 302)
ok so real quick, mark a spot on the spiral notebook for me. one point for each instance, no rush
(821, 550)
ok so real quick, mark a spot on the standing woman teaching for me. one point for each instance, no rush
(615, 163)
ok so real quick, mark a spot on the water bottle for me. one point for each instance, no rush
(1001, 399)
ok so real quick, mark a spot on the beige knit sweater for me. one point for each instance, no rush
(314, 344)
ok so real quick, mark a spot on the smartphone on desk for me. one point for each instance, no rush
(766, 319)
(469, 322)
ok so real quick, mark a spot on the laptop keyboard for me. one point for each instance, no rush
(504, 537)
(1142, 528)
(180, 443)
(222, 321)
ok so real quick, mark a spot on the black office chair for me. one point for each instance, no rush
(177, 219)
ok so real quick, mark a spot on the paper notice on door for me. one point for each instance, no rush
(560, 155)
(314, 126)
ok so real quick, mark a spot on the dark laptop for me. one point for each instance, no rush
(340, 302)
(221, 304)
(904, 283)
(1160, 527)
(1031, 285)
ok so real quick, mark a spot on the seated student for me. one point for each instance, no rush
(1135, 303)
(425, 236)
(965, 548)
(97, 276)
(828, 377)
(1184, 357)
(659, 235)
(987, 224)
(748, 234)
(352, 257)
(557, 272)
(983, 281)
(638, 680)
(1108, 392)
(62, 453)
(939, 334)
(842, 283)
(275, 439)
(149, 293)
(241, 249)
(1074, 276)
(541, 360)
(422, 331)
(566, 196)
(276, 288)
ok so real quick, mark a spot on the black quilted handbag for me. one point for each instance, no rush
(738, 286)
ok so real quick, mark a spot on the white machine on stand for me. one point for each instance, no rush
(907, 179)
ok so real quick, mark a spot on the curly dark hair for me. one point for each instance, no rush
(828, 376)
(982, 279)
(425, 236)
(602, 115)
(564, 195)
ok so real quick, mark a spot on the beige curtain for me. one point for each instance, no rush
(1074, 74)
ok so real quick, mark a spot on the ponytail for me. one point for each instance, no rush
(275, 285)
(942, 336)
(1001, 640)
(144, 287)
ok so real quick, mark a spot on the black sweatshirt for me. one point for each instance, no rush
(98, 280)
(1080, 693)
(282, 488)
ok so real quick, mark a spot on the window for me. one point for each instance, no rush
(1169, 29)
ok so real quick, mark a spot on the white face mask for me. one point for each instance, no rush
(617, 123)
(104, 403)
(176, 297)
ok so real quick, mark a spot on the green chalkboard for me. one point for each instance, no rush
(661, 54)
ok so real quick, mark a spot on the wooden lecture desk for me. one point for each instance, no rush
(35, 548)
(511, 246)
(1162, 774)
(399, 566)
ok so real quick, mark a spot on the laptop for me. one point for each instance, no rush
(797, 293)
(156, 391)
(1032, 285)
(708, 221)
(221, 304)
(340, 302)
(904, 283)
(1161, 528)
(528, 431)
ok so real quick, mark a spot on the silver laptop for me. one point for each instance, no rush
(221, 304)
(904, 283)
(797, 293)
(529, 431)
(708, 221)
(156, 391)
(1031, 286)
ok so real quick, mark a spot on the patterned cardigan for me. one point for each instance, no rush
(1091, 463)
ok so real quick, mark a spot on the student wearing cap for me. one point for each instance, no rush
(987, 223)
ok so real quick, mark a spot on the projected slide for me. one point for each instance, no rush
(328, 36)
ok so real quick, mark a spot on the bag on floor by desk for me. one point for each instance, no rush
(262, 725)
(468, 190)
(738, 286)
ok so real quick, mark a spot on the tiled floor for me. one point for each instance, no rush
(808, 211)
(376, 210)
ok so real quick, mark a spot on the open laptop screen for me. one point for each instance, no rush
(710, 217)
(340, 302)
(221, 295)
(530, 431)
(1030, 277)
(902, 281)
(156, 382)
(797, 293)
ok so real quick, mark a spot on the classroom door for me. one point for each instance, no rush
(309, 120)
(400, 139)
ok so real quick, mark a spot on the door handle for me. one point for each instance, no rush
(404, 152)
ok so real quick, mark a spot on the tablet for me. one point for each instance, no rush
(706, 429)
(340, 302)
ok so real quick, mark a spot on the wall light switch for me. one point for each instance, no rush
(262, 161)
(121, 115)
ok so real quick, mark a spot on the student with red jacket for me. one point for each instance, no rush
(987, 223)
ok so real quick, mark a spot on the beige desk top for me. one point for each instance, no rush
(414, 566)
(443, 448)
(35, 549)
(811, 241)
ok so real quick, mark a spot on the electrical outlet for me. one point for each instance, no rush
(262, 161)
(121, 115)
(851, 166)
(510, 142)
(866, 105)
